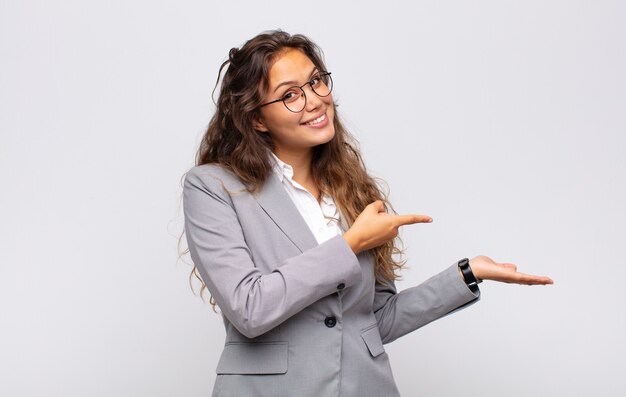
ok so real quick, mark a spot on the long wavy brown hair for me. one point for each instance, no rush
(232, 141)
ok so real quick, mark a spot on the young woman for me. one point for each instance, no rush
(294, 240)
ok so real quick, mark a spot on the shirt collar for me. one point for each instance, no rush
(328, 200)
(281, 168)
(284, 170)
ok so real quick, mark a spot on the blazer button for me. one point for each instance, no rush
(330, 321)
(341, 286)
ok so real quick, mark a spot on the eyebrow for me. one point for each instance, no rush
(293, 83)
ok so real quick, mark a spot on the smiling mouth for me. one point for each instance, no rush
(316, 121)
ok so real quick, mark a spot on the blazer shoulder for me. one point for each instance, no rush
(214, 176)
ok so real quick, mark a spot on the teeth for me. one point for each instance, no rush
(317, 120)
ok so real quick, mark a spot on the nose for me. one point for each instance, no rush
(313, 101)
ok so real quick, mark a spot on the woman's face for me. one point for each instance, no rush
(295, 134)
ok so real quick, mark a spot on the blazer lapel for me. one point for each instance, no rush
(278, 205)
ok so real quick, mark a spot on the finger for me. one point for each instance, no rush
(541, 280)
(378, 206)
(529, 279)
(411, 219)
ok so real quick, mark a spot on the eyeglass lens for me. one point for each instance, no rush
(295, 98)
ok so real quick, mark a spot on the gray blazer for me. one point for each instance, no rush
(302, 318)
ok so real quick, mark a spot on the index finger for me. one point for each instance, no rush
(410, 219)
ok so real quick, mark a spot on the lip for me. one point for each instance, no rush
(322, 124)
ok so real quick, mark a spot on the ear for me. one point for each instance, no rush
(258, 124)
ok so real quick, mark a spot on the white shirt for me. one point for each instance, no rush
(323, 218)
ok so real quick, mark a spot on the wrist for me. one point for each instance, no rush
(467, 275)
(476, 271)
(353, 241)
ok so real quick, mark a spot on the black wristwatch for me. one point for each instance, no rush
(468, 275)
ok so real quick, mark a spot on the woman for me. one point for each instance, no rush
(293, 239)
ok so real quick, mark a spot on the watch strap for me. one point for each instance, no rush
(468, 275)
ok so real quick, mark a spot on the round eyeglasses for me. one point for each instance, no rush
(295, 98)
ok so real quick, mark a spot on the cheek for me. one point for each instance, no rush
(328, 99)
(331, 104)
(331, 111)
(279, 120)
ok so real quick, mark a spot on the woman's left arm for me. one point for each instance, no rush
(400, 313)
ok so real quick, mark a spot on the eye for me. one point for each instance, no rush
(291, 95)
(316, 80)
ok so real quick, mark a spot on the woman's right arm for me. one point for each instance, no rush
(252, 301)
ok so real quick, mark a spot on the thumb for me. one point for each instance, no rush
(378, 206)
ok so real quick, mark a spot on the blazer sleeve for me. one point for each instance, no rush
(252, 301)
(398, 314)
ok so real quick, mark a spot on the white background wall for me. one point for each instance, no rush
(503, 120)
